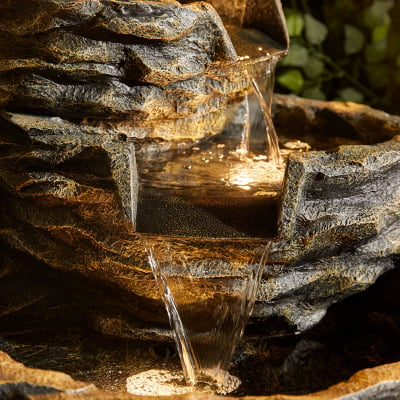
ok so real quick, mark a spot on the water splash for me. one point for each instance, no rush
(209, 288)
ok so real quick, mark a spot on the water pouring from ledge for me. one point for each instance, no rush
(225, 185)
(209, 285)
(202, 211)
(258, 102)
(208, 314)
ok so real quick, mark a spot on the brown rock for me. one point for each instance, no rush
(69, 189)
(118, 59)
(16, 380)
(328, 124)
(248, 15)
(333, 240)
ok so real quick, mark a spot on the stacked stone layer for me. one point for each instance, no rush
(77, 78)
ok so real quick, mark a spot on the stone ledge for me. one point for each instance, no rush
(382, 382)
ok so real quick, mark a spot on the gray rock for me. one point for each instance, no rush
(82, 81)
(338, 225)
(151, 68)
(118, 60)
(334, 240)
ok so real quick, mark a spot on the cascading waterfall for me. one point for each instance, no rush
(263, 91)
(261, 86)
(209, 285)
(207, 315)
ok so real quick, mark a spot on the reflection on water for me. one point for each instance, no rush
(210, 191)
(209, 288)
(225, 186)
(213, 165)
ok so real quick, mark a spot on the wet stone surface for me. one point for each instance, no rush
(360, 332)
(77, 294)
(44, 276)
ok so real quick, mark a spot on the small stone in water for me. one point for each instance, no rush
(230, 384)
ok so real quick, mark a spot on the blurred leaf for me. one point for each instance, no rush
(376, 52)
(354, 39)
(291, 79)
(380, 32)
(315, 30)
(314, 92)
(361, 56)
(314, 68)
(294, 23)
(377, 13)
(351, 94)
(297, 56)
(378, 75)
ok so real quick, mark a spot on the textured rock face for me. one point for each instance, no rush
(80, 83)
(122, 67)
(339, 228)
(67, 187)
(266, 16)
(18, 381)
(116, 61)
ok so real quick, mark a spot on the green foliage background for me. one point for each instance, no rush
(346, 50)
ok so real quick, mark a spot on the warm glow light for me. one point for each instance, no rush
(162, 382)
(241, 179)
(251, 173)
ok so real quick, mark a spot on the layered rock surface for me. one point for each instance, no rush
(67, 187)
(113, 61)
(80, 82)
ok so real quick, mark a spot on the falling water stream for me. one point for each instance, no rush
(209, 287)
(261, 85)
(202, 213)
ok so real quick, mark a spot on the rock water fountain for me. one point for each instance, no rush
(81, 84)
(186, 203)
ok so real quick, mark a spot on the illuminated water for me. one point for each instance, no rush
(226, 185)
(258, 122)
(209, 288)
(210, 190)
(202, 212)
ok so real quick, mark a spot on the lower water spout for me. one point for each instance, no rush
(207, 313)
